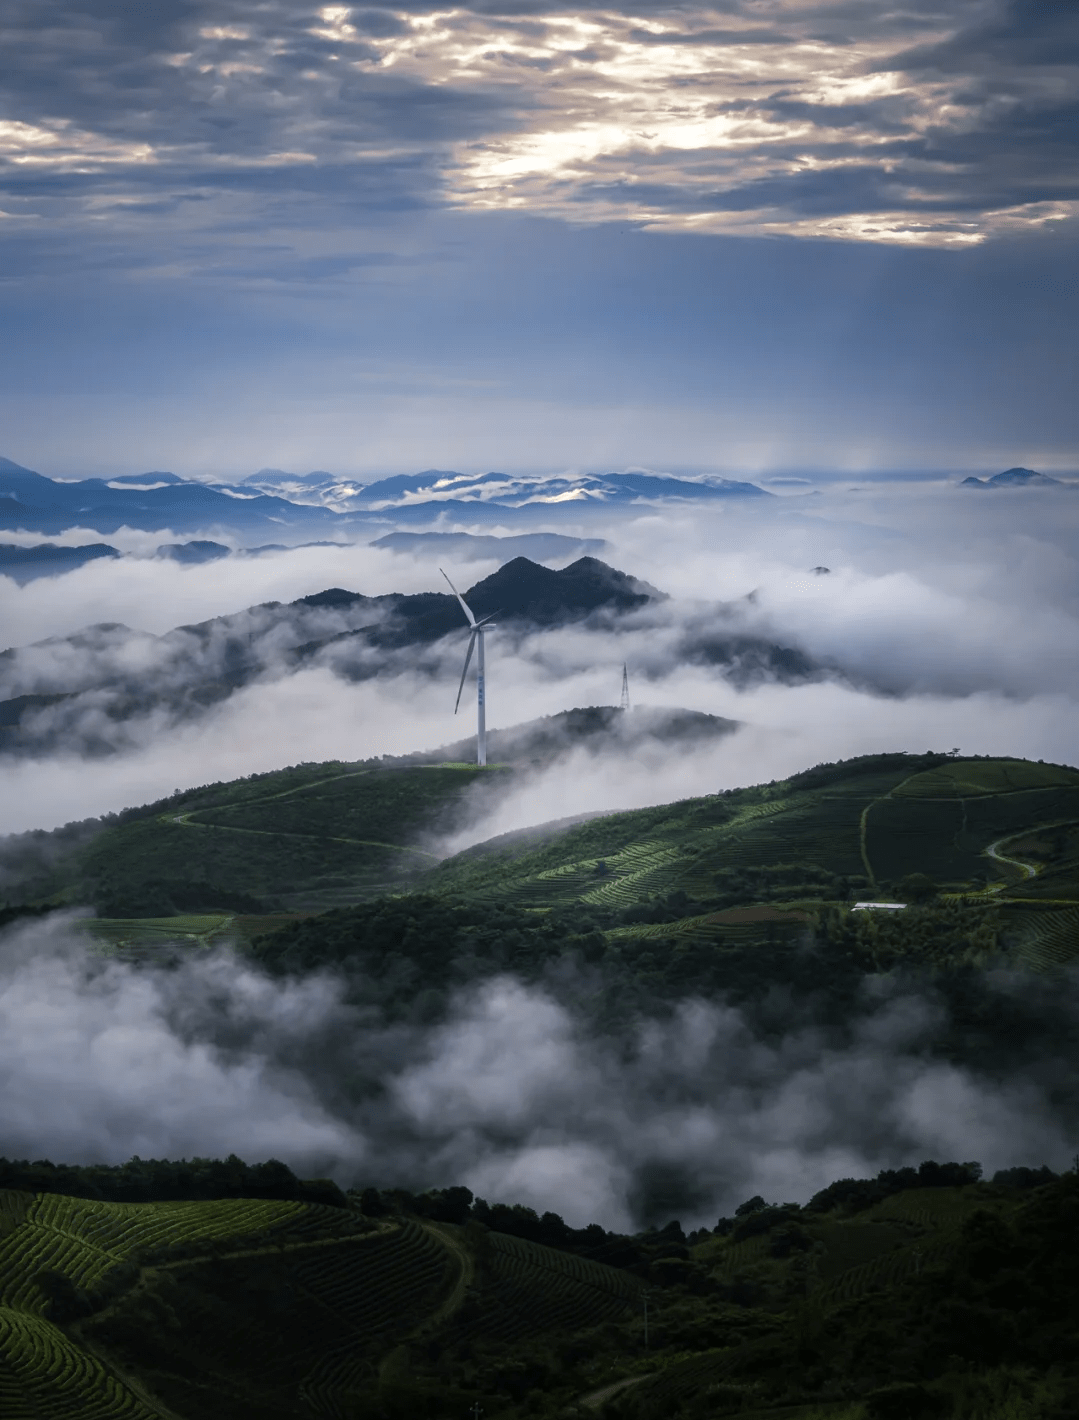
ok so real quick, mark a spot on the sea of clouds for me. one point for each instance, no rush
(949, 619)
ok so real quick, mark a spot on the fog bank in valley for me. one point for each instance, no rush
(686, 1114)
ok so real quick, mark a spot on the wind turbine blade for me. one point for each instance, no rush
(485, 619)
(464, 604)
(468, 658)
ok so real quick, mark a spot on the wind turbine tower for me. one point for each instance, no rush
(625, 687)
(476, 636)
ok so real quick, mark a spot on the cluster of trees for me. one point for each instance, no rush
(751, 1218)
(164, 897)
(931, 933)
(852, 1195)
(407, 955)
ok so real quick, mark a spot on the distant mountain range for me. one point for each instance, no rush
(436, 489)
(32, 503)
(292, 506)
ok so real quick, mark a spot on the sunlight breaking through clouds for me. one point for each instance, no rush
(938, 127)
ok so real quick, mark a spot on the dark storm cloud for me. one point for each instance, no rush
(763, 117)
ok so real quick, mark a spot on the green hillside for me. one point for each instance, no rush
(986, 851)
(920, 1293)
(873, 821)
(303, 839)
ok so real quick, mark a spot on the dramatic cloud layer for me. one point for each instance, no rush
(938, 125)
(934, 125)
(687, 1114)
(761, 234)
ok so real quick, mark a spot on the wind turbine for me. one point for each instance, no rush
(478, 629)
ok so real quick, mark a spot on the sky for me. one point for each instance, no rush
(762, 235)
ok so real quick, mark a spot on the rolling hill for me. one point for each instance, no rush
(312, 836)
(735, 896)
(708, 894)
(1002, 834)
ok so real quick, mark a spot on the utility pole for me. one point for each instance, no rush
(625, 687)
(644, 1299)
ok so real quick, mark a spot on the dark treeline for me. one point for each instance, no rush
(845, 1197)
(162, 1180)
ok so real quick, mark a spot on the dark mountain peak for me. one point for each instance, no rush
(193, 552)
(525, 589)
(1019, 476)
(332, 596)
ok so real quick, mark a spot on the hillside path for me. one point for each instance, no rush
(1029, 870)
(595, 1398)
(186, 819)
(465, 1276)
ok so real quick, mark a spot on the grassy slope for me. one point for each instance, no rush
(302, 838)
(256, 1310)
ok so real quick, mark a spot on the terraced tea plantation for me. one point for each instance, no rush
(857, 830)
(255, 1308)
(241, 1308)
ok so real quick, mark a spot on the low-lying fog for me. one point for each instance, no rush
(687, 1115)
